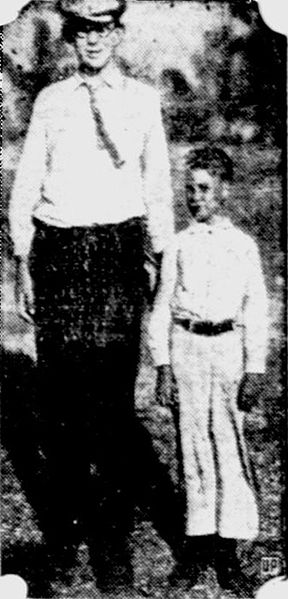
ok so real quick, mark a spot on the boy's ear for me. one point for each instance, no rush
(118, 35)
(226, 186)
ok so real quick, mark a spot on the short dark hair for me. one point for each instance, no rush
(213, 159)
(69, 30)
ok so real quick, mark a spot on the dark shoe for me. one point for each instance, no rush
(192, 560)
(114, 577)
(62, 542)
(239, 584)
(62, 559)
(229, 574)
(112, 569)
(63, 556)
(184, 576)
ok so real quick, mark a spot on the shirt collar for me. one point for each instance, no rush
(220, 224)
(110, 77)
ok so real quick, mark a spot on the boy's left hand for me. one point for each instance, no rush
(249, 390)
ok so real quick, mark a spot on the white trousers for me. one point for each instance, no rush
(220, 496)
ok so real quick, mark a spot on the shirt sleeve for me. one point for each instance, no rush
(255, 312)
(159, 325)
(28, 182)
(157, 181)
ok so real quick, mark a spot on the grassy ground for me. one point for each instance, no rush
(255, 205)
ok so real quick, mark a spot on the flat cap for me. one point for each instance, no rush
(92, 10)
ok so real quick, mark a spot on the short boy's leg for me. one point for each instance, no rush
(191, 366)
(238, 514)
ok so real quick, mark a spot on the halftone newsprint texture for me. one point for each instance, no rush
(221, 73)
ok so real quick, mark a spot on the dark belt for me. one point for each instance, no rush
(206, 327)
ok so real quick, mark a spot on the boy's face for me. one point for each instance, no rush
(95, 44)
(203, 194)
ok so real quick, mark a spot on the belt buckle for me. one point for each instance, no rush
(191, 326)
(205, 327)
(209, 328)
(196, 327)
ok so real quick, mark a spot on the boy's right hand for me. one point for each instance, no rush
(24, 291)
(164, 386)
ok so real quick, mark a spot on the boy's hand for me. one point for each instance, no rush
(249, 390)
(152, 267)
(164, 385)
(24, 291)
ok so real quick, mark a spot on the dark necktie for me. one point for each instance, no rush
(103, 137)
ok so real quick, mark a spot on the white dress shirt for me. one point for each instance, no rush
(212, 273)
(65, 178)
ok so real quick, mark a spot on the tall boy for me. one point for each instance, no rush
(208, 329)
(93, 175)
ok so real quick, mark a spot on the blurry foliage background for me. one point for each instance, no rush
(221, 70)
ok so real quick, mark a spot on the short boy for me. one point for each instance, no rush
(208, 330)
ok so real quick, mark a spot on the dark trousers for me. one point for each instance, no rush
(89, 286)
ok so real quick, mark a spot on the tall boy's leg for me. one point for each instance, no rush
(110, 506)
